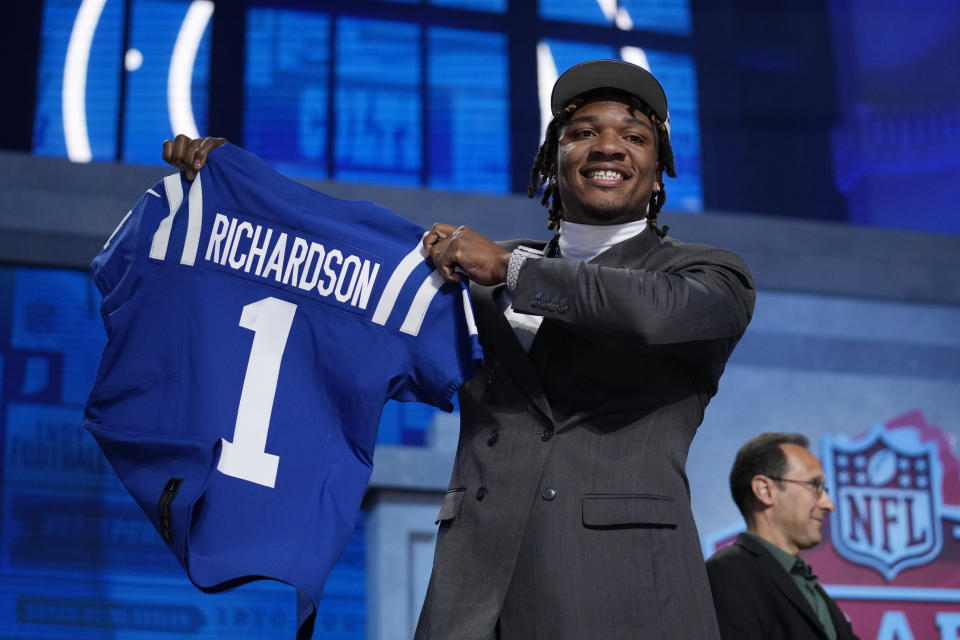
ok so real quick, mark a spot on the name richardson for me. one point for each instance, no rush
(335, 274)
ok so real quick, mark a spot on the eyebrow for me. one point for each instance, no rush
(626, 120)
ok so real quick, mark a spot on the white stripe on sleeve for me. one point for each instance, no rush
(194, 222)
(107, 243)
(397, 279)
(421, 302)
(171, 185)
(468, 312)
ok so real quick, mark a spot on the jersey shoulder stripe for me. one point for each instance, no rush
(161, 238)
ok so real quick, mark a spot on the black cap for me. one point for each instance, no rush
(615, 74)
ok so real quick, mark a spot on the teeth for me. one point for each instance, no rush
(605, 174)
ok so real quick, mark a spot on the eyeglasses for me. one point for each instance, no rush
(817, 484)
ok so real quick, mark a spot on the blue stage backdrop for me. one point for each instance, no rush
(845, 111)
(419, 100)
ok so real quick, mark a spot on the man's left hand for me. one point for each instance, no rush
(189, 154)
(461, 249)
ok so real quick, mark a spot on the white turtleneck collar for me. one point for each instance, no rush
(587, 241)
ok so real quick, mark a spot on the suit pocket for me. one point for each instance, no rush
(619, 510)
(451, 505)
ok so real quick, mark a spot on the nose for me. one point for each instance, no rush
(826, 502)
(608, 144)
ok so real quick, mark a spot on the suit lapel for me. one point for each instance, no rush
(499, 334)
(783, 581)
(631, 252)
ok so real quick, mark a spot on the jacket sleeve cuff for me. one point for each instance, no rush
(517, 257)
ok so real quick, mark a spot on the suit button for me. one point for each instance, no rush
(491, 377)
(547, 435)
(548, 494)
(492, 440)
(481, 493)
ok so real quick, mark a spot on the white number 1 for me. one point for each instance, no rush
(246, 457)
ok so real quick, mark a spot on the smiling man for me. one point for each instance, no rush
(568, 514)
(761, 587)
(599, 187)
(568, 511)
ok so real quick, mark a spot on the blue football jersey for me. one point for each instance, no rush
(256, 328)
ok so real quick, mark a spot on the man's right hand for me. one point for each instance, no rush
(461, 249)
(189, 154)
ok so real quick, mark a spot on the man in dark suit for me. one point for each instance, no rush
(568, 513)
(761, 587)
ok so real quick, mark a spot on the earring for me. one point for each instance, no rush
(553, 179)
(656, 187)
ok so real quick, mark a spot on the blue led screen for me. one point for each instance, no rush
(378, 132)
(469, 134)
(87, 118)
(415, 93)
(496, 6)
(406, 103)
(166, 68)
(585, 11)
(443, 124)
(78, 558)
(286, 90)
(663, 16)
(155, 100)
(566, 54)
(677, 73)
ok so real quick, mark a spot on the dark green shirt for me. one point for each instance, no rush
(803, 577)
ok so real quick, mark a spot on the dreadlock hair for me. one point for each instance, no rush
(544, 170)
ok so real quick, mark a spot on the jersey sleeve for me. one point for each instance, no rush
(114, 268)
(447, 351)
(430, 321)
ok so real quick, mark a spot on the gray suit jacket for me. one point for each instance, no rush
(568, 512)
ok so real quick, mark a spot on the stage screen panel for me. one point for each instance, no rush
(469, 136)
(286, 83)
(167, 75)
(98, 61)
(78, 81)
(662, 16)
(439, 118)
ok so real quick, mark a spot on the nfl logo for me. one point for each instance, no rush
(887, 488)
